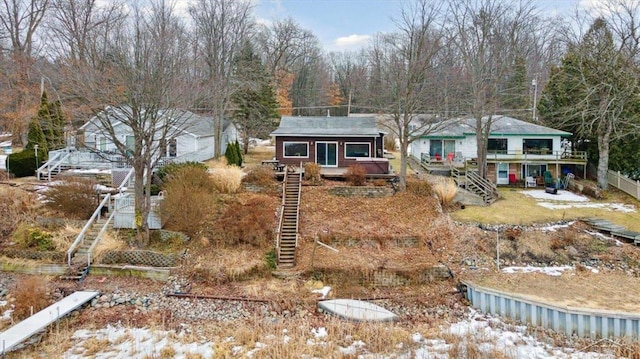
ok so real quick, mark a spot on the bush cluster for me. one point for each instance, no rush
(30, 293)
(356, 175)
(190, 200)
(23, 164)
(28, 237)
(227, 179)
(74, 197)
(419, 187)
(251, 222)
(16, 206)
(312, 173)
(260, 176)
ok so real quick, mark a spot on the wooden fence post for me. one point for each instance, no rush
(618, 178)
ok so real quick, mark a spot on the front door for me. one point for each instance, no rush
(327, 154)
(503, 173)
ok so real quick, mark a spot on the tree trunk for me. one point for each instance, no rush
(404, 144)
(603, 159)
(142, 200)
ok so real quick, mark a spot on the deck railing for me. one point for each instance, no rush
(537, 155)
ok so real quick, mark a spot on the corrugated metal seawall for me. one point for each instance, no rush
(582, 322)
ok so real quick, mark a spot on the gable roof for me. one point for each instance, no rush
(191, 124)
(327, 126)
(500, 126)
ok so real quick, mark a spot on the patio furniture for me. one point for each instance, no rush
(530, 181)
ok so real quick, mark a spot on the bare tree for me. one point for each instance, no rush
(402, 63)
(221, 27)
(140, 85)
(20, 19)
(488, 35)
(79, 29)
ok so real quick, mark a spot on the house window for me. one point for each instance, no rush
(296, 149)
(538, 146)
(131, 145)
(533, 170)
(440, 149)
(353, 150)
(103, 143)
(173, 147)
(497, 145)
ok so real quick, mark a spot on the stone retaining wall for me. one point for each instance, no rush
(361, 191)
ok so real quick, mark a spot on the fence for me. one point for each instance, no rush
(624, 183)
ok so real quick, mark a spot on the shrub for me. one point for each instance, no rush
(446, 191)
(4, 175)
(16, 206)
(419, 187)
(227, 179)
(74, 197)
(233, 154)
(189, 200)
(389, 143)
(380, 182)
(23, 164)
(250, 222)
(356, 175)
(312, 173)
(170, 168)
(31, 292)
(260, 176)
(28, 237)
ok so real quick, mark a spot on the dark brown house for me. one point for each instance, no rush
(331, 142)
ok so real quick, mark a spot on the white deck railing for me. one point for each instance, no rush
(80, 238)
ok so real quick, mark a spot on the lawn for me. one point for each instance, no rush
(518, 209)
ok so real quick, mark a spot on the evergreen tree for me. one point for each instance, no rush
(36, 136)
(593, 94)
(515, 96)
(52, 122)
(255, 99)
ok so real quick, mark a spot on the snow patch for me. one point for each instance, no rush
(324, 291)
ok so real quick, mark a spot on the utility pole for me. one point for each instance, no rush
(534, 83)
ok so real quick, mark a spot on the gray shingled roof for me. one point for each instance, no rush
(500, 126)
(327, 126)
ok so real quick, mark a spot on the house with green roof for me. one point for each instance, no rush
(516, 149)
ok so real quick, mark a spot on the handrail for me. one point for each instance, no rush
(80, 239)
(57, 164)
(98, 237)
(281, 219)
(298, 205)
(46, 164)
(126, 180)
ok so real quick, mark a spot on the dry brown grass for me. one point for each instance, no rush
(312, 173)
(74, 197)
(356, 175)
(445, 189)
(17, 206)
(30, 296)
(519, 209)
(108, 242)
(260, 175)
(227, 179)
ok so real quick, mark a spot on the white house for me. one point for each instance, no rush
(191, 137)
(516, 149)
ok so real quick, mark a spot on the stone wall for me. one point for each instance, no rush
(361, 191)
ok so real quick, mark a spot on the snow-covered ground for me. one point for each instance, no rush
(567, 199)
(487, 334)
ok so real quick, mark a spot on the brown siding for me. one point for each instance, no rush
(342, 162)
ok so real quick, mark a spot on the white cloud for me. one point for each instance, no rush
(351, 41)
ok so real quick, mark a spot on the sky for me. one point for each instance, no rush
(349, 24)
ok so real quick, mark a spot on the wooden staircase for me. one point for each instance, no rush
(81, 259)
(470, 180)
(287, 239)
